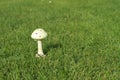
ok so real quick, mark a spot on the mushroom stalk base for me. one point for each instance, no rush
(40, 51)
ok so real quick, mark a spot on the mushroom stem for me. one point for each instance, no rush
(40, 51)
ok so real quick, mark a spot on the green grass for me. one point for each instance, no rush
(83, 40)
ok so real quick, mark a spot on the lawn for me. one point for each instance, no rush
(83, 40)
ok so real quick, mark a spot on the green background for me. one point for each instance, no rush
(83, 40)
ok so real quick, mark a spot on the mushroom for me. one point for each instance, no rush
(39, 35)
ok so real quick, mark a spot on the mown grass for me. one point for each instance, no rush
(82, 44)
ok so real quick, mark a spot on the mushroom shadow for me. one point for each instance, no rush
(52, 46)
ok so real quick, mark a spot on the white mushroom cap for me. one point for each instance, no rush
(39, 34)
